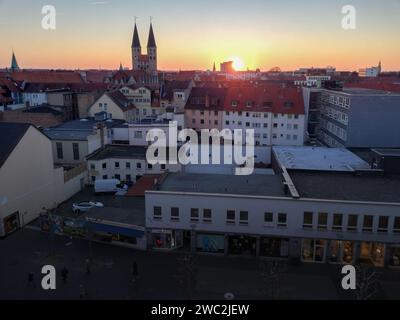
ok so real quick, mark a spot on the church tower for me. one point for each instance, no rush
(136, 50)
(14, 63)
(152, 51)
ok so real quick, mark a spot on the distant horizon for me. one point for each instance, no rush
(263, 34)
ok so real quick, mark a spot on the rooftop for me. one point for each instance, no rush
(119, 151)
(134, 215)
(255, 185)
(319, 158)
(367, 92)
(10, 136)
(337, 186)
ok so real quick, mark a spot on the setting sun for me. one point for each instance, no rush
(238, 64)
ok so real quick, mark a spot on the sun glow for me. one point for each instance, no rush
(238, 63)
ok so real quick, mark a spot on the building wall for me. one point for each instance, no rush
(199, 119)
(257, 206)
(105, 103)
(29, 180)
(35, 98)
(68, 154)
(84, 101)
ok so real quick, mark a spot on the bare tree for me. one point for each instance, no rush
(271, 273)
(367, 283)
(187, 273)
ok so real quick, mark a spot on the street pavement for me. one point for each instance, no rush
(111, 278)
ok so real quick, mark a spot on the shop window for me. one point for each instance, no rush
(230, 217)
(396, 225)
(157, 214)
(268, 219)
(322, 221)
(368, 223)
(207, 215)
(174, 214)
(341, 251)
(337, 222)
(352, 222)
(313, 250)
(394, 256)
(274, 247)
(308, 220)
(194, 215)
(383, 224)
(244, 218)
(282, 220)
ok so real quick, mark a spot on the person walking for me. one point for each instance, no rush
(88, 267)
(64, 274)
(31, 280)
(134, 271)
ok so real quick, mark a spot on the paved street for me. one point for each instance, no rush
(26, 251)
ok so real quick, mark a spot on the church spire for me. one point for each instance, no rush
(214, 68)
(136, 41)
(14, 63)
(151, 43)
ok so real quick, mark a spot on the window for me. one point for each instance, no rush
(368, 223)
(337, 221)
(352, 222)
(105, 177)
(268, 219)
(92, 166)
(244, 218)
(308, 220)
(75, 148)
(128, 178)
(157, 213)
(234, 103)
(116, 165)
(174, 214)
(138, 134)
(275, 125)
(322, 220)
(207, 215)
(282, 220)
(396, 225)
(383, 224)
(139, 165)
(127, 165)
(118, 177)
(150, 166)
(163, 167)
(230, 217)
(104, 165)
(194, 215)
(60, 154)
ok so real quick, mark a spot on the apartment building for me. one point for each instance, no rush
(359, 118)
(301, 216)
(125, 163)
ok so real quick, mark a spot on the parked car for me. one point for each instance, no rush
(85, 206)
(106, 186)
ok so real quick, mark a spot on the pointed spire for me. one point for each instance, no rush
(135, 41)
(14, 63)
(151, 43)
(121, 68)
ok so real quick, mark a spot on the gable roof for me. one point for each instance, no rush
(120, 100)
(10, 135)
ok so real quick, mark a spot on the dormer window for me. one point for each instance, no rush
(288, 104)
(249, 103)
(267, 104)
(234, 103)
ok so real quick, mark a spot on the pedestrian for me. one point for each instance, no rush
(82, 292)
(64, 274)
(134, 271)
(31, 280)
(88, 269)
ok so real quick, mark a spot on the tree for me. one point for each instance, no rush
(271, 277)
(367, 283)
(187, 273)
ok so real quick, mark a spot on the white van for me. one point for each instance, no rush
(106, 186)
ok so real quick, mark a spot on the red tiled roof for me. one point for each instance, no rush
(47, 76)
(206, 98)
(272, 98)
(145, 183)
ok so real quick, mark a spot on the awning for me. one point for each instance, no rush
(115, 230)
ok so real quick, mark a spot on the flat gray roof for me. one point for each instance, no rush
(319, 158)
(133, 215)
(257, 185)
(63, 134)
(365, 91)
(341, 186)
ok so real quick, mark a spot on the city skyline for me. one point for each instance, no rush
(263, 34)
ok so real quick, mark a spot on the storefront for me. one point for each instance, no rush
(372, 253)
(313, 250)
(129, 235)
(211, 243)
(11, 223)
(341, 252)
(166, 239)
(274, 247)
(394, 256)
(242, 245)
